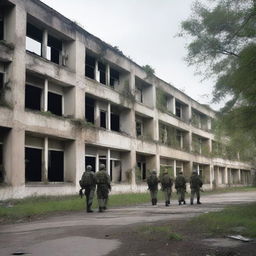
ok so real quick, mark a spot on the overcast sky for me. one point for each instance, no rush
(145, 31)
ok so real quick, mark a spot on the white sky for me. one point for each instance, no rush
(145, 31)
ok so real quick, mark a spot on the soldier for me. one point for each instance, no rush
(103, 187)
(152, 182)
(167, 182)
(88, 183)
(195, 185)
(180, 186)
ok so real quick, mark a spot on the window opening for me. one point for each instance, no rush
(33, 97)
(91, 160)
(56, 166)
(33, 164)
(54, 48)
(34, 39)
(89, 109)
(139, 95)
(1, 81)
(102, 70)
(90, 66)
(55, 103)
(115, 122)
(1, 25)
(178, 109)
(114, 77)
(103, 117)
(139, 128)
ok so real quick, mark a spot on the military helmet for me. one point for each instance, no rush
(102, 167)
(88, 168)
(180, 172)
(194, 171)
(165, 171)
(154, 171)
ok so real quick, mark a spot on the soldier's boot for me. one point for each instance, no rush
(198, 200)
(89, 208)
(100, 209)
(169, 202)
(153, 201)
(179, 202)
(184, 202)
(166, 203)
(191, 201)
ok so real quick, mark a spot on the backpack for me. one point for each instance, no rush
(152, 181)
(180, 182)
(86, 180)
(166, 181)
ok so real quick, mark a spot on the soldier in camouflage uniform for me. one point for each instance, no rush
(88, 183)
(152, 182)
(166, 182)
(180, 186)
(103, 187)
(195, 185)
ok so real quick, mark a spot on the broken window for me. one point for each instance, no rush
(139, 128)
(179, 138)
(114, 77)
(142, 167)
(55, 103)
(33, 97)
(1, 25)
(90, 66)
(103, 119)
(91, 160)
(89, 109)
(33, 164)
(54, 48)
(56, 166)
(178, 109)
(139, 95)
(1, 81)
(102, 71)
(115, 171)
(115, 122)
(34, 39)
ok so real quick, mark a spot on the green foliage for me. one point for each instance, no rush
(223, 46)
(149, 70)
(228, 220)
(161, 100)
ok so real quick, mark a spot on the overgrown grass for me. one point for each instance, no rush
(152, 232)
(232, 220)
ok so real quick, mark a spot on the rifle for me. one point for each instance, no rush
(81, 193)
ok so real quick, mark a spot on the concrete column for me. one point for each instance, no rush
(108, 161)
(14, 157)
(211, 170)
(96, 72)
(44, 44)
(239, 176)
(107, 74)
(190, 141)
(209, 145)
(226, 175)
(174, 105)
(45, 161)
(189, 113)
(97, 114)
(45, 95)
(174, 168)
(109, 117)
(97, 163)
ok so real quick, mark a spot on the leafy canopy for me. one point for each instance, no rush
(223, 46)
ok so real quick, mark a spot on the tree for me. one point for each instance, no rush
(223, 46)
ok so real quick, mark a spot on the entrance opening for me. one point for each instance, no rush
(142, 167)
(56, 166)
(115, 122)
(115, 171)
(54, 48)
(33, 164)
(102, 70)
(90, 66)
(91, 160)
(34, 39)
(55, 103)
(103, 160)
(33, 97)
(1, 164)
(89, 109)
(103, 116)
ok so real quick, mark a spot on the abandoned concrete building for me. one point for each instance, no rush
(69, 99)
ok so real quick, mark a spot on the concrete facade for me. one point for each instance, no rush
(68, 99)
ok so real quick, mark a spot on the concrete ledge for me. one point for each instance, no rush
(6, 52)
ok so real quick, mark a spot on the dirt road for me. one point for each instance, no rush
(110, 233)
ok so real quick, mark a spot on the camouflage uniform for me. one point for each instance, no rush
(89, 179)
(167, 182)
(195, 185)
(103, 187)
(152, 182)
(180, 186)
